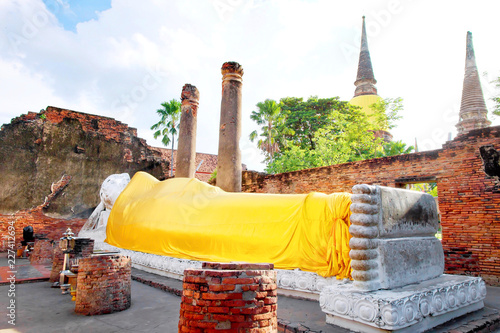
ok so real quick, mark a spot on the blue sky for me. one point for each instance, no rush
(71, 12)
(123, 58)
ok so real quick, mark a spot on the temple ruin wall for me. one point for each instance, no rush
(469, 199)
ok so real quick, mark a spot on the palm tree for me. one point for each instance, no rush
(170, 114)
(268, 114)
(395, 148)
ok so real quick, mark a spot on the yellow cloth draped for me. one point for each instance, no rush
(189, 219)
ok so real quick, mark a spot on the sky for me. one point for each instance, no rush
(123, 58)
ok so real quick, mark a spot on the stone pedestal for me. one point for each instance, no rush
(103, 284)
(230, 297)
(229, 155)
(186, 151)
(413, 308)
(84, 247)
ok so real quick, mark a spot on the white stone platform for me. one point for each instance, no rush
(295, 283)
(412, 308)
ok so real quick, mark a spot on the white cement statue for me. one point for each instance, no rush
(110, 190)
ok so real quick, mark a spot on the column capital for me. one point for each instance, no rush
(232, 70)
(190, 92)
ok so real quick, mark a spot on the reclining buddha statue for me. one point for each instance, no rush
(189, 219)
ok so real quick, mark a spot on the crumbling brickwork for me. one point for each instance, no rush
(469, 198)
(229, 297)
(43, 225)
(37, 149)
(103, 285)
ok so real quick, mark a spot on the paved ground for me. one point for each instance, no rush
(40, 308)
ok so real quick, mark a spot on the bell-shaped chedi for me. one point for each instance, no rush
(473, 113)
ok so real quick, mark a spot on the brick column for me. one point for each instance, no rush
(186, 151)
(230, 297)
(229, 156)
(103, 284)
(42, 252)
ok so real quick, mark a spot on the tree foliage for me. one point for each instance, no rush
(394, 148)
(298, 134)
(168, 125)
(304, 118)
(386, 113)
(496, 99)
(170, 114)
(269, 115)
(346, 138)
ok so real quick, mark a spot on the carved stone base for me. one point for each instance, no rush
(413, 308)
(295, 283)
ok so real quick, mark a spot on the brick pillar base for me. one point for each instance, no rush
(42, 252)
(229, 297)
(84, 247)
(103, 284)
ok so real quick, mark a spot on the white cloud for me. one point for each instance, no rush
(139, 54)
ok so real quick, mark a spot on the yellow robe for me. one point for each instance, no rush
(189, 219)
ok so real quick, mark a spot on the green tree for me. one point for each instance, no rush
(496, 99)
(394, 148)
(347, 137)
(269, 115)
(168, 125)
(304, 118)
(386, 113)
(294, 158)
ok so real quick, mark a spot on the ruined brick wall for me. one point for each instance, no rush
(103, 284)
(207, 167)
(37, 149)
(43, 225)
(229, 297)
(469, 199)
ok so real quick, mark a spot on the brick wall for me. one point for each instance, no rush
(229, 297)
(48, 227)
(109, 127)
(103, 285)
(469, 199)
(38, 148)
(43, 252)
(206, 162)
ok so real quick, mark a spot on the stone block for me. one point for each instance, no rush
(409, 260)
(413, 308)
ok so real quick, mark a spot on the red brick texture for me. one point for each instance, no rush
(207, 167)
(229, 297)
(43, 252)
(103, 285)
(43, 226)
(109, 127)
(469, 199)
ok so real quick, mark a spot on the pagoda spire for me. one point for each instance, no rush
(473, 113)
(365, 80)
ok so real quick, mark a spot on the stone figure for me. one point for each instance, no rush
(110, 190)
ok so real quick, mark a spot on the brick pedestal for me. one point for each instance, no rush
(229, 297)
(42, 252)
(84, 247)
(103, 284)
